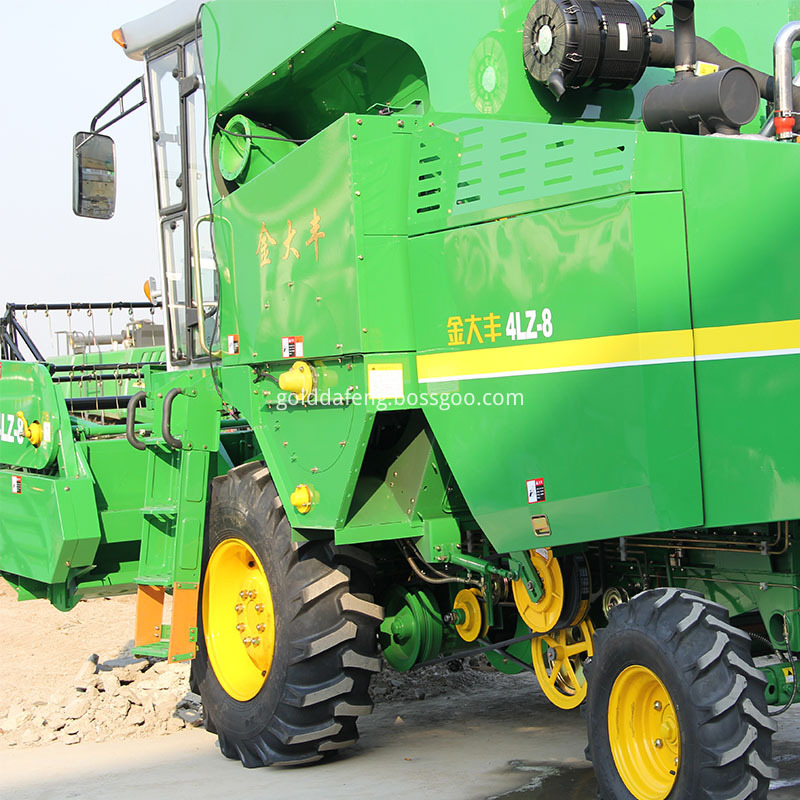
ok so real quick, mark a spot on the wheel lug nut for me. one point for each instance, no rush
(240, 627)
(657, 705)
(260, 627)
(246, 641)
(260, 608)
(256, 641)
(251, 594)
(658, 743)
(243, 594)
(239, 608)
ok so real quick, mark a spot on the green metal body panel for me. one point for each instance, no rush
(528, 320)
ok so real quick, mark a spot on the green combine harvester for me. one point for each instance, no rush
(481, 336)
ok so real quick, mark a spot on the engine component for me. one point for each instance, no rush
(577, 590)
(245, 149)
(558, 660)
(613, 597)
(542, 616)
(471, 622)
(570, 43)
(412, 629)
(717, 103)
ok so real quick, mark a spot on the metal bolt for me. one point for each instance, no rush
(256, 641)
(355, 137)
(657, 705)
(342, 444)
(430, 124)
(400, 123)
(658, 743)
(259, 608)
(358, 194)
(363, 330)
(251, 594)
(361, 258)
(318, 299)
(261, 627)
(246, 641)
(243, 594)
(359, 122)
(240, 627)
(66, 488)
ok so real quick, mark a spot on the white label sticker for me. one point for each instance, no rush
(623, 37)
(16, 484)
(535, 490)
(233, 344)
(788, 673)
(47, 431)
(292, 346)
(385, 381)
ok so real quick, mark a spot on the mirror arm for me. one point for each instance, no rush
(119, 99)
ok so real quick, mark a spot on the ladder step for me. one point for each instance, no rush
(154, 580)
(157, 650)
(169, 510)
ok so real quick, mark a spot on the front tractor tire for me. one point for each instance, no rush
(287, 642)
(676, 709)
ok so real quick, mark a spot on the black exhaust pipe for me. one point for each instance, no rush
(685, 39)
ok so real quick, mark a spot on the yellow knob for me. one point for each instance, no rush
(32, 432)
(299, 380)
(301, 498)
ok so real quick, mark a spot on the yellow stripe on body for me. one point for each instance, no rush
(633, 349)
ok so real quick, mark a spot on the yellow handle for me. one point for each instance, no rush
(32, 432)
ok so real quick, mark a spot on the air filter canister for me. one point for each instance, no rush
(568, 44)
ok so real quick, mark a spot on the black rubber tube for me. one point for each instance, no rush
(130, 420)
(662, 54)
(166, 419)
(114, 402)
(685, 54)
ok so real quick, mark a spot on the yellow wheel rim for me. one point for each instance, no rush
(542, 616)
(644, 733)
(467, 601)
(558, 660)
(238, 619)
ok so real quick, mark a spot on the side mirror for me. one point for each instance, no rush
(94, 183)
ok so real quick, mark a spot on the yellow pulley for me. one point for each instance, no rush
(558, 659)
(541, 616)
(468, 603)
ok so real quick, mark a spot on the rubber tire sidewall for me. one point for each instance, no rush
(269, 539)
(616, 658)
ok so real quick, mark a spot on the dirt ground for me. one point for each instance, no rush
(43, 648)
(470, 734)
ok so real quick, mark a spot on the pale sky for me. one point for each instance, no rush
(60, 67)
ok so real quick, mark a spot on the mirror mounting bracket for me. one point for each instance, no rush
(119, 102)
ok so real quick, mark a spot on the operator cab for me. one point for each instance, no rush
(169, 43)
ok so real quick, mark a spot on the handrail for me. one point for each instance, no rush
(130, 421)
(198, 281)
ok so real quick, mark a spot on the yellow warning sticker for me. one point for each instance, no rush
(788, 674)
(704, 68)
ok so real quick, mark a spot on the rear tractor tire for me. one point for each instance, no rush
(287, 640)
(676, 709)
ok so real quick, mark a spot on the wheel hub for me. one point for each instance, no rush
(644, 733)
(238, 619)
